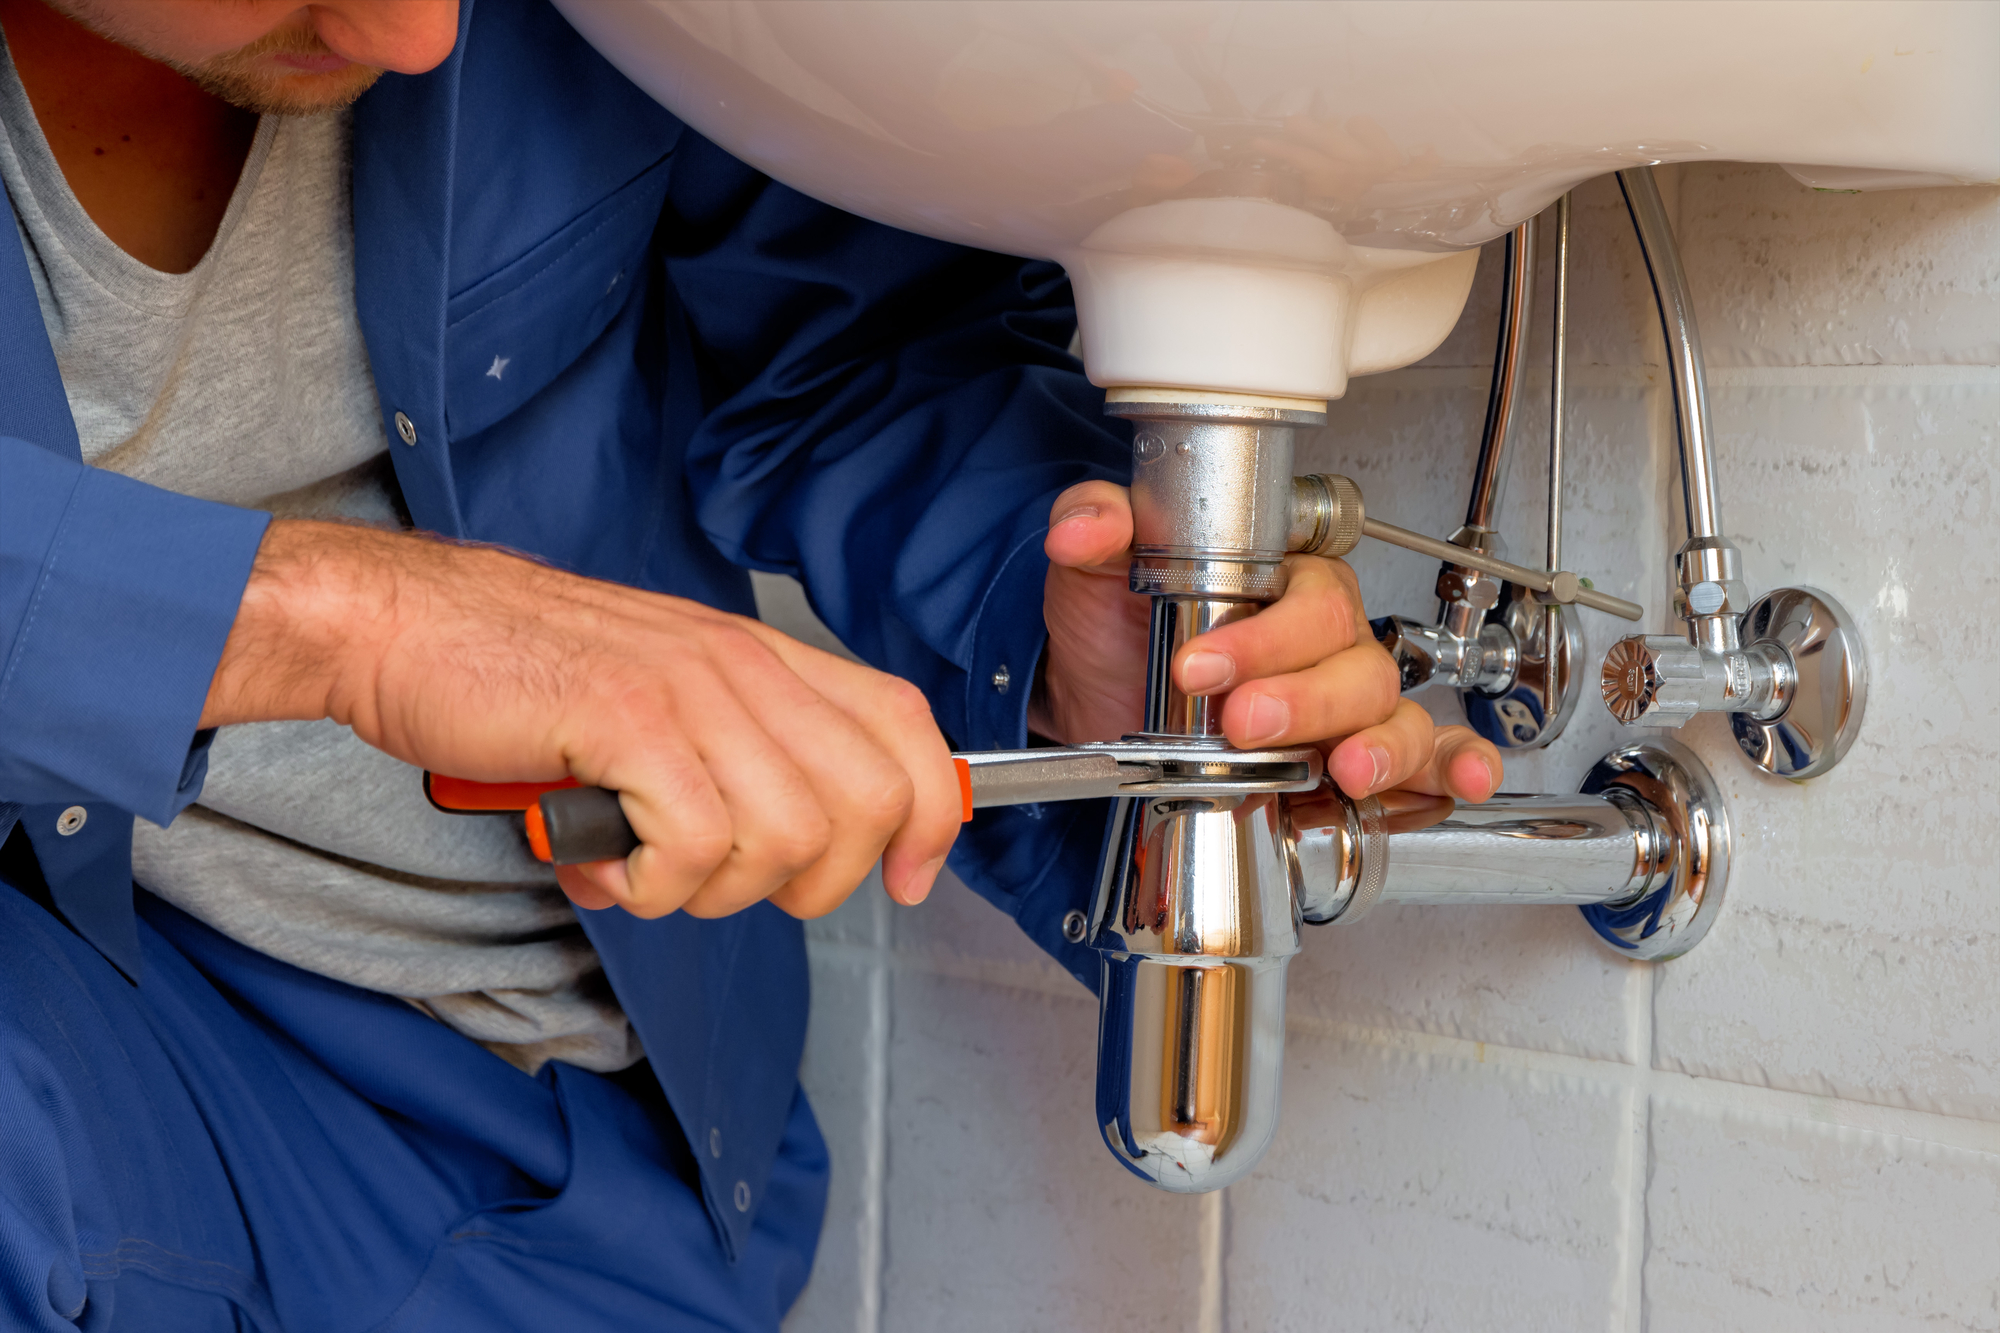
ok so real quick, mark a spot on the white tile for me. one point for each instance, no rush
(1532, 977)
(1005, 1210)
(957, 931)
(1784, 275)
(862, 921)
(1420, 1193)
(1861, 917)
(1759, 1223)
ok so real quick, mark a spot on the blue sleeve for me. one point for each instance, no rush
(115, 600)
(888, 418)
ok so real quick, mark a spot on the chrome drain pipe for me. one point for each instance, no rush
(1643, 847)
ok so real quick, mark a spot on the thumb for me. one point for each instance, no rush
(1090, 524)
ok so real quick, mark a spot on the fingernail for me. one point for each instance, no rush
(1269, 717)
(1492, 775)
(918, 886)
(1379, 758)
(1202, 672)
(1081, 511)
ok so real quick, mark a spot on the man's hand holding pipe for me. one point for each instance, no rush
(1304, 670)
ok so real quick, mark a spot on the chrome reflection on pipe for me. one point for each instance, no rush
(1196, 915)
(1710, 595)
(1558, 849)
(1683, 339)
(1190, 1061)
(1644, 849)
(1169, 712)
(1196, 922)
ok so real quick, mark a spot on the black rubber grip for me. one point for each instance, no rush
(586, 824)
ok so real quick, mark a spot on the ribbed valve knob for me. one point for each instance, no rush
(1654, 680)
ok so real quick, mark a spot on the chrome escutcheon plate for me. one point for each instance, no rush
(1828, 697)
(1672, 919)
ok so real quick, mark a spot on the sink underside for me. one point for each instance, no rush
(1401, 127)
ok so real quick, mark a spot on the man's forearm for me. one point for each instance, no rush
(751, 765)
(319, 600)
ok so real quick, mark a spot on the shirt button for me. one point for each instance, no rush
(715, 1143)
(72, 819)
(742, 1196)
(1002, 678)
(406, 428)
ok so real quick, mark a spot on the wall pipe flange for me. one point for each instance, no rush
(1828, 689)
(1669, 920)
(1532, 708)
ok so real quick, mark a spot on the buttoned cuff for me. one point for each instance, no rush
(115, 601)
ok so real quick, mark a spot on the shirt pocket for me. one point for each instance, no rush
(512, 333)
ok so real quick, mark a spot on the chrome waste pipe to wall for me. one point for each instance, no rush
(1573, 850)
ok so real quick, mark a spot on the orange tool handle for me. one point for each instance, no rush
(462, 796)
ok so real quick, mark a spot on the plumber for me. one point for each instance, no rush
(391, 385)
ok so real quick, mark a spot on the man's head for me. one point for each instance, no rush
(279, 56)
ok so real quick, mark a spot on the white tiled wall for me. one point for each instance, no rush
(1490, 1123)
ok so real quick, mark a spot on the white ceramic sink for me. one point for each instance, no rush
(1263, 197)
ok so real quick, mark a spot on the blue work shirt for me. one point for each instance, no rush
(597, 338)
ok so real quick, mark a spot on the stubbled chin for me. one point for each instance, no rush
(288, 94)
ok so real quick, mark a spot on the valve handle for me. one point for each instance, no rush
(1328, 519)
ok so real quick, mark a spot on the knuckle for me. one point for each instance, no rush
(786, 846)
(1385, 684)
(734, 643)
(699, 852)
(710, 904)
(807, 903)
(906, 702)
(653, 889)
(885, 805)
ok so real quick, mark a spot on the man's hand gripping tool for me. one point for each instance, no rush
(568, 823)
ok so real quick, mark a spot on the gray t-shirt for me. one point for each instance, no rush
(245, 381)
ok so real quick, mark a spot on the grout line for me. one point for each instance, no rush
(1970, 1133)
(1209, 1300)
(875, 1171)
(1634, 1171)
(1965, 1133)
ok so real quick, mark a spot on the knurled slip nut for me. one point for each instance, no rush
(1347, 517)
(1260, 583)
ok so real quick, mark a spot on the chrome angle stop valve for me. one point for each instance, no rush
(1512, 646)
(1788, 667)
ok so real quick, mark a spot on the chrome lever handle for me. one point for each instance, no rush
(1328, 519)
